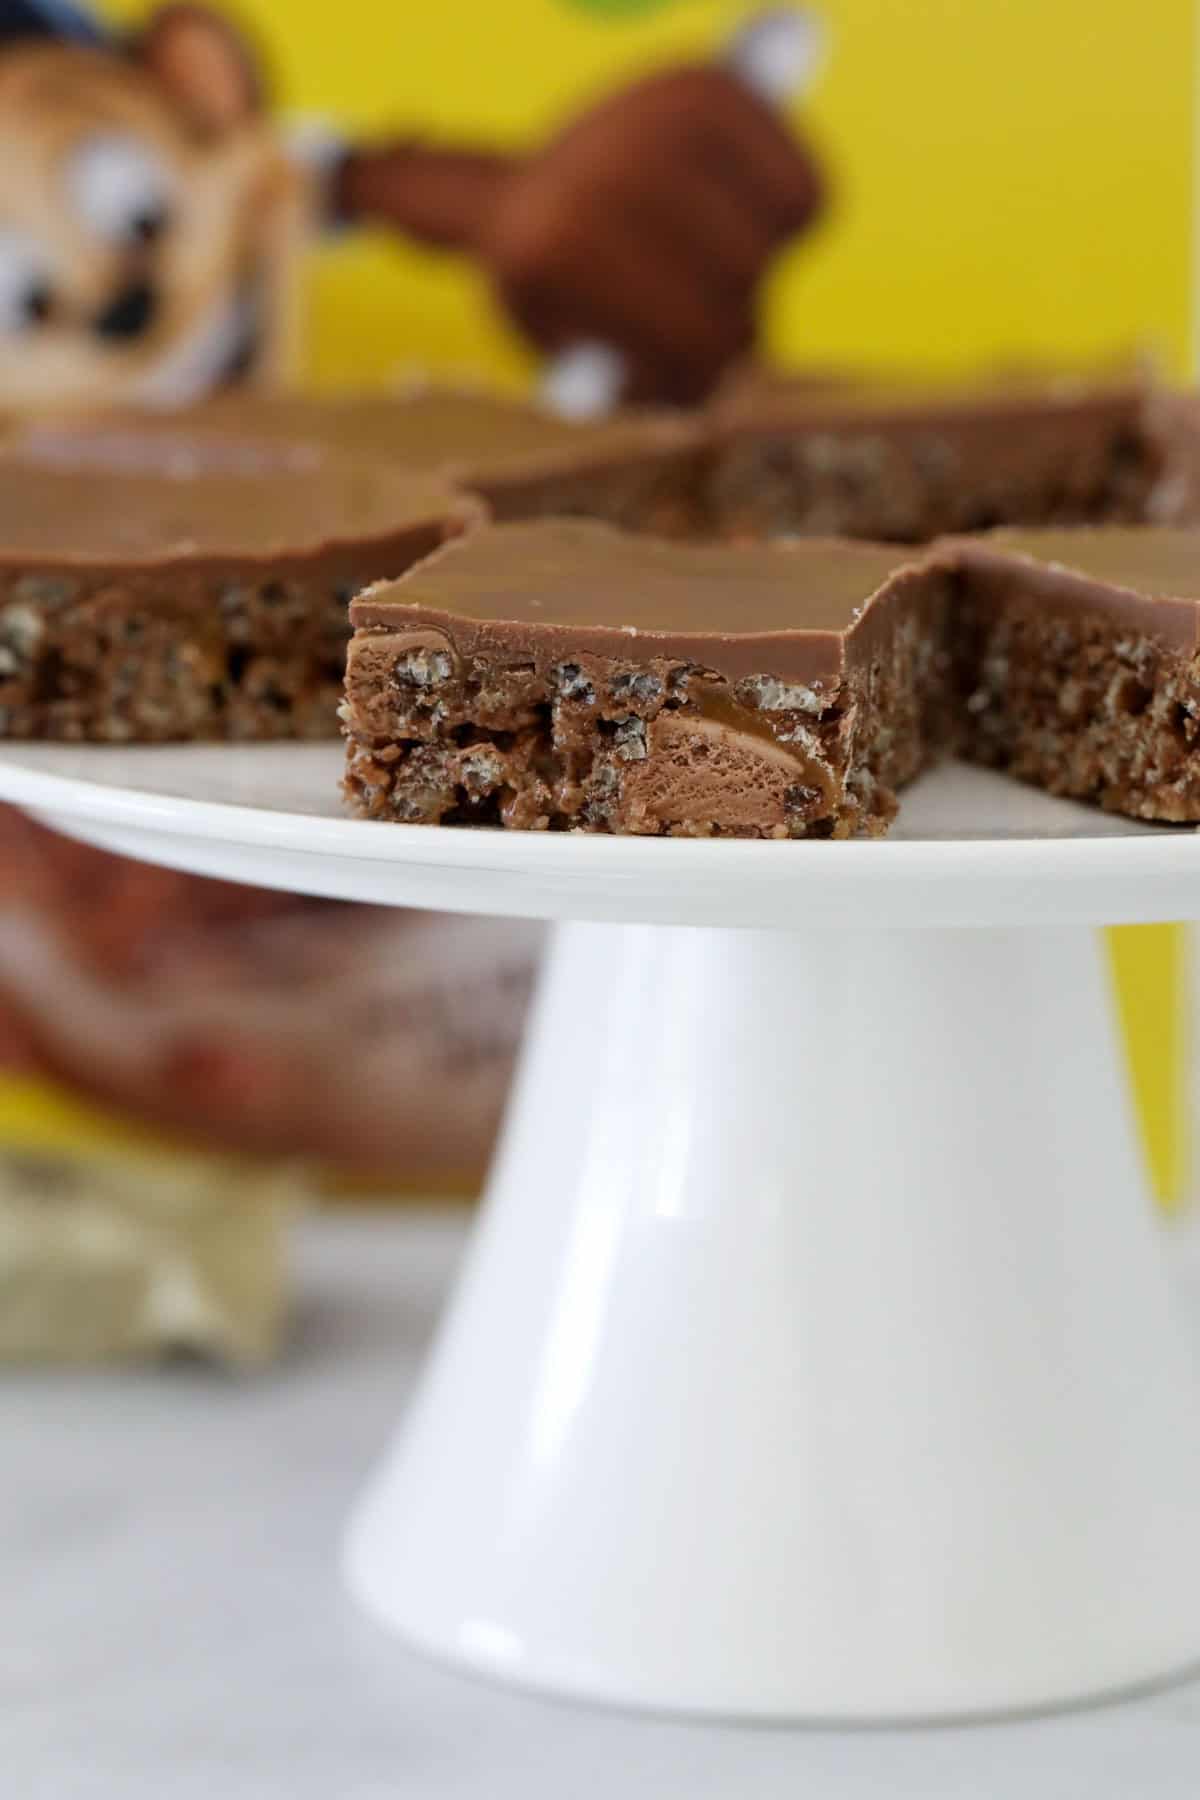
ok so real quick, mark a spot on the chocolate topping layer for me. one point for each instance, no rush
(560, 586)
(60, 516)
(908, 463)
(1146, 579)
(641, 471)
(475, 436)
(764, 399)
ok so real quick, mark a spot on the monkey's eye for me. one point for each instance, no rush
(25, 292)
(120, 188)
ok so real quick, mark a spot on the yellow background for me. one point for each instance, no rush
(1011, 177)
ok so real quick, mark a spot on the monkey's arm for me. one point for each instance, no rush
(440, 197)
(647, 224)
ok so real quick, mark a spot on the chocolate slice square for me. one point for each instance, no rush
(566, 676)
(638, 470)
(209, 600)
(1077, 665)
(907, 463)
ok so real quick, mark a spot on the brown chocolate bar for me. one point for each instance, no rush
(566, 676)
(205, 603)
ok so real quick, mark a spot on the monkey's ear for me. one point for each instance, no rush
(204, 64)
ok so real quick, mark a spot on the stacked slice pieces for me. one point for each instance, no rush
(561, 675)
(534, 647)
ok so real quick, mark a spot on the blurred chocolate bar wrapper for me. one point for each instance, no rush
(127, 1251)
(184, 1063)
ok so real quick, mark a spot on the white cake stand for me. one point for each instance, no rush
(818, 1354)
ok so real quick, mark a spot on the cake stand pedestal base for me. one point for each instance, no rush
(817, 1355)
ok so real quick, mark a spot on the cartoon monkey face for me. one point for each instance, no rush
(148, 227)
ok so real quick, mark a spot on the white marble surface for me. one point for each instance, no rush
(172, 1626)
